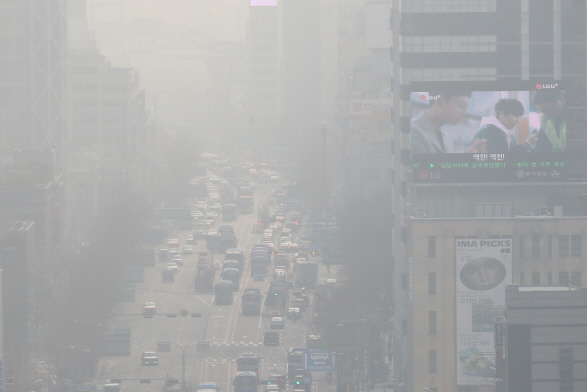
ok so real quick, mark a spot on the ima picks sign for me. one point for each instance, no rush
(483, 268)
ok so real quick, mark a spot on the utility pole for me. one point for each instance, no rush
(324, 133)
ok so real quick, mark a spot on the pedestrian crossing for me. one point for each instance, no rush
(236, 344)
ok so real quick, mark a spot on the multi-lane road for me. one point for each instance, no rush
(228, 332)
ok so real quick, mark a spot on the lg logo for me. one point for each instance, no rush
(541, 86)
(424, 175)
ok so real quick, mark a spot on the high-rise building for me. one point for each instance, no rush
(32, 81)
(451, 185)
(263, 92)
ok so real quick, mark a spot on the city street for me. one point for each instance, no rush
(228, 332)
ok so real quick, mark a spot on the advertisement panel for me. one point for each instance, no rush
(477, 132)
(255, 3)
(483, 269)
(365, 108)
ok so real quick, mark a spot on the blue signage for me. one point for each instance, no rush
(319, 361)
(293, 203)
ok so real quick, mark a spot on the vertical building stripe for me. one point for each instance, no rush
(556, 14)
(525, 36)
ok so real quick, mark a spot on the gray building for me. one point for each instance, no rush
(546, 339)
(477, 41)
(32, 82)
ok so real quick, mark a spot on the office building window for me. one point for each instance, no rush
(522, 244)
(431, 246)
(522, 279)
(549, 244)
(576, 245)
(536, 278)
(432, 283)
(550, 278)
(449, 43)
(535, 246)
(432, 322)
(449, 74)
(432, 361)
(563, 278)
(576, 278)
(563, 246)
(438, 6)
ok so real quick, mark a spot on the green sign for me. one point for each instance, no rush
(125, 296)
(125, 332)
(331, 255)
(324, 234)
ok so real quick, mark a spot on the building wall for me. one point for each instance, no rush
(546, 339)
(476, 40)
(263, 94)
(547, 265)
(17, 260)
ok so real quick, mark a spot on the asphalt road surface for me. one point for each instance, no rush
(228, 331)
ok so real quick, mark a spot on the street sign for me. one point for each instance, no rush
(307, 380)
(331, 255)
(281, 380)
(294, 203)
(122, 332)
(319, 361)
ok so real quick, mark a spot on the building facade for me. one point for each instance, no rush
(545, 250)
(441, 42)
(545, 338)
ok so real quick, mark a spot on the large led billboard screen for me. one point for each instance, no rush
(263, 3)
(476, 132)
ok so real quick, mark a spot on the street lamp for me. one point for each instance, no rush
(183, 362)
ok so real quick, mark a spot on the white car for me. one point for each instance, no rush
(277, 323)
(172, 266)
(177, 260)
(188, 250)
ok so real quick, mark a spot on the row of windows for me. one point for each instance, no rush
(455, 43)
(93, 88)
(419, 6)
(447, 74)
(568, 245)
(94, 104)
(565, 278)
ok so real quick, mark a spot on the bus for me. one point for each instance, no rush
(246, 382)
(306, 273)
(295, 362)
(223, 292)
(251, 302)
(246, 205)
(248, 362)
